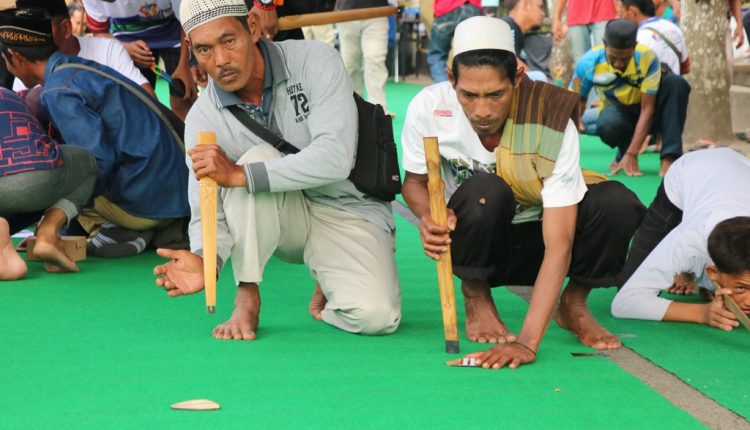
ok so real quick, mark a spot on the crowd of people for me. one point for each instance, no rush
(87, 148)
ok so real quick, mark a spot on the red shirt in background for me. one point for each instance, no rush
(582, 12)
(442, 7)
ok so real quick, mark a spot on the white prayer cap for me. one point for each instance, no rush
(194, 13)
(482, 32)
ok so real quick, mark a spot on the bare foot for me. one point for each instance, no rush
(483, 324)
(12, 266)
(243, 323)
(574, 315)
(317, 303)
(51, 252)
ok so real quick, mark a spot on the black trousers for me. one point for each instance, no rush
(661, 218)
(487, 247)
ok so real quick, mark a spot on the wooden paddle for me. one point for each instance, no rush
(208, 225)
(439, 214)
(297, 21)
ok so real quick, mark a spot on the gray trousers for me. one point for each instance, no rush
(352, 259)
(67, 188)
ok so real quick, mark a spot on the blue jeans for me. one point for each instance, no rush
(580, 38)
(441, 37)
(616, 123)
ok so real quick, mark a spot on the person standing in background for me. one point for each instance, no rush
(364, 46)
(584, 25)
(448, 14)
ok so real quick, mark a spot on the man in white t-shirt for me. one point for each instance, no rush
(109, 52)
(696, 233)
(489, 119)
(660, 35)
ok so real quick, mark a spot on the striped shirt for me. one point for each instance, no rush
(641, 76)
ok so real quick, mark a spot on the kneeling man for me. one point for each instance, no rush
(299, 207)
(521, 212)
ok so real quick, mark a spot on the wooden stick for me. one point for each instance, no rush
(439, 214)
(208, 224)
(298, 21)
(737, 311)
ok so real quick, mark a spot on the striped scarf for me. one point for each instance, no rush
(532, 137)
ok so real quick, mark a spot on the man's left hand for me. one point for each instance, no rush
(211, 161)
(512, 355)
(629, 164)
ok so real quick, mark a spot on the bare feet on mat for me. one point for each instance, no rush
(243, 323)
(12, 266)
(483, 324)
(50, 250)
(573, 315)
(317, 303)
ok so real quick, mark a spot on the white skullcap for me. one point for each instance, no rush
(194, 13)
(482, 32)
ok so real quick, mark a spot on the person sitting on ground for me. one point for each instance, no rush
(635, 99)
(536, 221)
(299, 207)
(696, 234)
(38, 174)
(141, 183)
(105, 51)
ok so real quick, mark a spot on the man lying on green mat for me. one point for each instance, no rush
(696, 233)
(487, 118)
(298, 206)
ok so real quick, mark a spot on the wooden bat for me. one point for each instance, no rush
(208, 225)
(297, 21)
(439, 214)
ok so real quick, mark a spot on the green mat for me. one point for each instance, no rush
(105, 348)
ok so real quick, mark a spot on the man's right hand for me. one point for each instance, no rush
(210, 161)
(435, 239)
(716, 315)
(140, 53)
(182, 275)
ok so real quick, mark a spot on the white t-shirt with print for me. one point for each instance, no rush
(435, 111)
(709, 186)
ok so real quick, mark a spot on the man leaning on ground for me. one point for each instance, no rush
(532, 219)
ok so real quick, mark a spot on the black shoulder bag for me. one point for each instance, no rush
(376, 170)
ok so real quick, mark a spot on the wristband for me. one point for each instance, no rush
(632, 154)
(525, 347)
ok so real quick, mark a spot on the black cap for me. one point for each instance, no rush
(53, 7)
(25, 27)
(621, 34)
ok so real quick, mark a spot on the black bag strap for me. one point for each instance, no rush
(277, 142)
(146, 99)
(667, 41)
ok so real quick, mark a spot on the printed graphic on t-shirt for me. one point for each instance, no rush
(300, 101)
(463, 169)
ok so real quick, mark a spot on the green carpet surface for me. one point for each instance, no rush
(105, 348)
